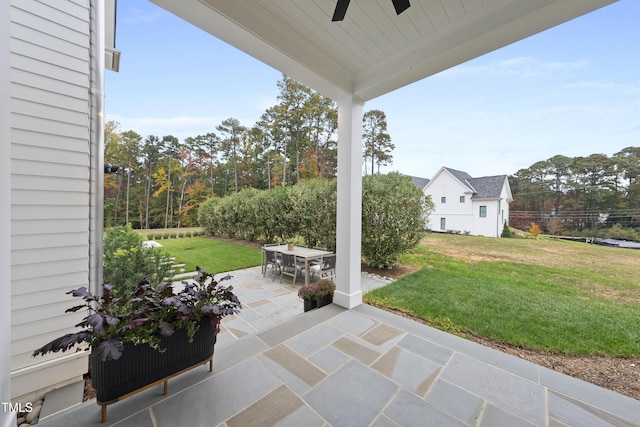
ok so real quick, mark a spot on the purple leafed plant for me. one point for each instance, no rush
(149, 312)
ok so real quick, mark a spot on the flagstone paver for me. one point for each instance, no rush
(275, 365)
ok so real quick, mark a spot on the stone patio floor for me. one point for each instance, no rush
(277, 366)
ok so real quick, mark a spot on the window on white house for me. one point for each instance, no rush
(443, 224)
(483, 211)
(461, 199)
(443, 200)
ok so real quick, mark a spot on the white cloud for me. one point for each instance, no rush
(179, 126)
(523, 66)
(603, 85)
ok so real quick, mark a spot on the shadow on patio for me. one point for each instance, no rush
(275, 365)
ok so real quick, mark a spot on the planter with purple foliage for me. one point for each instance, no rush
(149, 335)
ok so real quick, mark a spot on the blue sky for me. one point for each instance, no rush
(571, 90)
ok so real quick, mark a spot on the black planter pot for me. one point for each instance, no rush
(141, 365)
(310, 304)
(324, 300)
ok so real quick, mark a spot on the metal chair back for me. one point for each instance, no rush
(289, 261)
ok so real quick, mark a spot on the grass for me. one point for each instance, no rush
(213, 255)
(549, 295)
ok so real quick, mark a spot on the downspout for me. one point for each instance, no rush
(96, 143)
(499, 218)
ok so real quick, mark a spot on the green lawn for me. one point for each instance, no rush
(542, 294)
(505, 290)
(213, 255)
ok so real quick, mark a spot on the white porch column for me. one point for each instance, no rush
(349, 210)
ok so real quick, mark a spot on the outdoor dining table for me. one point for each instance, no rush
(301, 253)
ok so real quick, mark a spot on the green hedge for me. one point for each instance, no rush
(394, 215)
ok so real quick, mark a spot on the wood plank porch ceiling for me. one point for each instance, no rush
(373, 51)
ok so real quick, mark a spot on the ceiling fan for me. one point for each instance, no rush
(342, 5)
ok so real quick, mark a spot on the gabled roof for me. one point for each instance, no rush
(486, 187)
(461, 176)
(419, 182)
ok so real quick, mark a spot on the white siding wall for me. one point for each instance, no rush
(487, 226)
(50, 155)
(458, 215)
(9, 419)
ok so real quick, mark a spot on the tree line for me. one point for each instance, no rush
(162, 180)
(578, 195)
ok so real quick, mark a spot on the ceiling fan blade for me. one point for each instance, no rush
(341, 10)
(401, 5)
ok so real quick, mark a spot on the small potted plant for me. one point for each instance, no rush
(147, 335)
(308, 295)
(324, 290)
(291, 243)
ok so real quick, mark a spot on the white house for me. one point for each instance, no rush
(52, 58)
(478, 206)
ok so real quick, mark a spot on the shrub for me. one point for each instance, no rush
(166, 235)
(126, 261)
(506, 231)
(307, 293)
(619, 232)
(187, 234)
(394, 215)
(181, 235)
(554, 225)
(158, 236)
(323, 287)
(534, 229)
(314, 203)
(150, 236)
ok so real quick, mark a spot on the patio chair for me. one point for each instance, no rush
(264, 260)
(271, 259)
(326, 269)
(290, 266)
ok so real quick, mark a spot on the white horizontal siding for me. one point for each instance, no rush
(26, 227)
(48, 105)
(40, 125)
(22, 64)
(42, 39)
(68, 26)
(50, 166)
(47, 155)
(25, 136)
(48, 198)
(36, 336)
(45, 55)
(46, 310)
(29, 79)
(48, 254)
(45, 170)
(61, 283)
(55, 240)
(76, 8)
(48, 270)
(20, 302)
